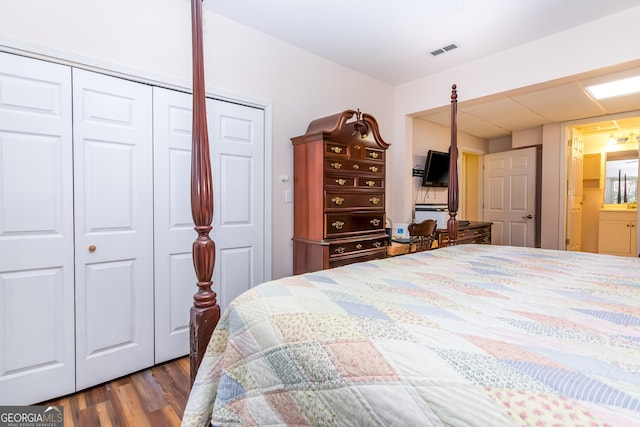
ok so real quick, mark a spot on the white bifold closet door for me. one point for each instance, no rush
(36, 231)
(96, 228)
(238, 157)
(174, 234)
(113, 175)
(236, 138)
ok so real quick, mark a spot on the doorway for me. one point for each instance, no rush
(471, 188)
(586, 186)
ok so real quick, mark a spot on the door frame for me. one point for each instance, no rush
(565, 129)
(479, 180)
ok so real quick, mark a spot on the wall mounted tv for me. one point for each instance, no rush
(436, 169)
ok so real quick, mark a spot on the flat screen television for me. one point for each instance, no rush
(436, 169)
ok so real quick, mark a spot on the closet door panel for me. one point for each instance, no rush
(114, 227)
(238, 163)
(36, 231)
(175, 279)
(236, 137)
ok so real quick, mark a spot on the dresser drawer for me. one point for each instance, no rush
(344, 248)
(336, 149)
(374, 154)
(332, 165)
(334, 200)
(358, 257)
(340, 181)
(338, 224)
(366, 182)
(354, 151)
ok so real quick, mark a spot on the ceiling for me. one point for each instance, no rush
(558, 101)
(392, 41)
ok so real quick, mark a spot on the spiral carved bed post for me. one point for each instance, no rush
(452, 202)
(205, 312)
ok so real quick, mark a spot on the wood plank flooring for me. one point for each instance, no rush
(152, 397)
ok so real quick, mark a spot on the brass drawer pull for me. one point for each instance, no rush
(341, 181)
(371, 183)
(357, 146)
(375, 222)
(356, 167)
(337, 200)
(336, 165)
(373, 169)
(359, 246)
(336, 150)
(340, 250)
(374, 200)
(377, 244)
(338, 225)
(374, 155)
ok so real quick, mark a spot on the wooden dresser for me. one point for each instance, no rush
(338, 192)
(474, 232)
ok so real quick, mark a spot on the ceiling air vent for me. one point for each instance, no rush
(443, 49)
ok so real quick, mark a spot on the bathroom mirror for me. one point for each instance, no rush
(621, 177)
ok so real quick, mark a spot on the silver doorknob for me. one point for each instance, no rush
(528, 217)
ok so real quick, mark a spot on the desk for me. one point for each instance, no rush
(474, 232)
(397, 248)
(401, 248)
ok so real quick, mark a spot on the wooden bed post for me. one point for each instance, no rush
(205, 312)
(452, 202)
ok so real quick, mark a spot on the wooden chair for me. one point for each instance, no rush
(423, 234)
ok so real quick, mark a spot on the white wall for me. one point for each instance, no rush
(551, 58)
(430, 136)
(152, 39)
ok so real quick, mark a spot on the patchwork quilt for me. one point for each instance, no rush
(472, 335)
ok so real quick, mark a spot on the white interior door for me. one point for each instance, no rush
(237, 144)
(510, 196)
(237, 156)
(175, 279)
(36, 231)
(114, 227)
(574, 186)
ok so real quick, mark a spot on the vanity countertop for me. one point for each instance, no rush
(618, 209)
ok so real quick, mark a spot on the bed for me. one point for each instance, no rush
(467, 335)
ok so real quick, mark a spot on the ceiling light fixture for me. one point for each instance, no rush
(612, 140)
(615, 88)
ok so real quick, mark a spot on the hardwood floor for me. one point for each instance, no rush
(153, 397)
